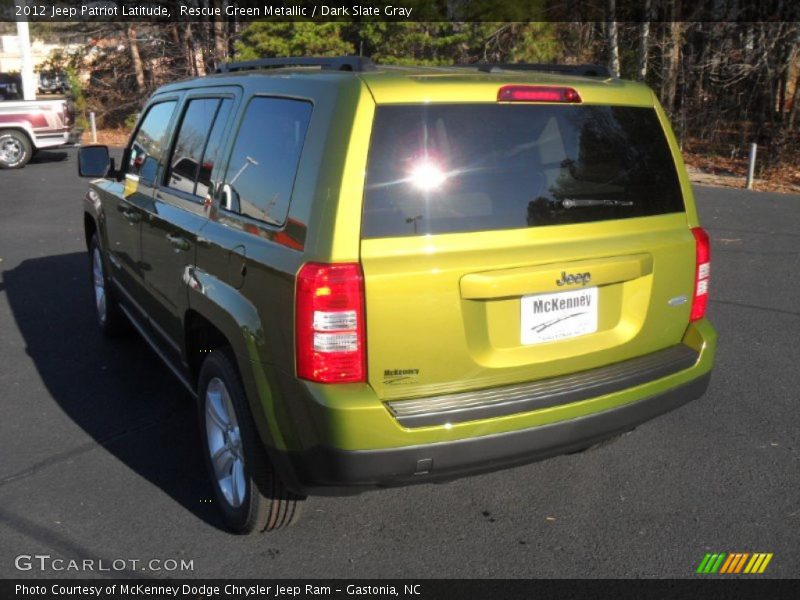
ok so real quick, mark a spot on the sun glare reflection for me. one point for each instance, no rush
(427, 176)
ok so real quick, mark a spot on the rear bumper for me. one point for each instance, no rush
(333, 468)
(74, 137)
(59, 140)
(344, 439)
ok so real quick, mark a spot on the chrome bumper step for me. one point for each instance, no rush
(546, 393)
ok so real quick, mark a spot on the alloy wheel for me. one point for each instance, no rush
(224, 443)
(99, 281)
(11, 151)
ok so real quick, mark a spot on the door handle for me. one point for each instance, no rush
(178, 242)
(132, 216)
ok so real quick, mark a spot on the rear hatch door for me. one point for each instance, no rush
(510, 242)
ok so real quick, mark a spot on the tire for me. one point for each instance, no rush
(110, 318)
(15, 149)
(250, 494)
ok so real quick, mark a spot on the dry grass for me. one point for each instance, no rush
(711, 165)
(720, 170)
(109, 137)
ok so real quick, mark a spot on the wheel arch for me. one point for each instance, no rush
(22, 128)
(219, 314)
(24, 141)
(89, 228)
(201, 337)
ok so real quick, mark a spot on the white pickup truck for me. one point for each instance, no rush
(27, 126)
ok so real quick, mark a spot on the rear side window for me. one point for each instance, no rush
(147, 148)
(213, 148)
(194, 155)
(458, 168)
(265, 156)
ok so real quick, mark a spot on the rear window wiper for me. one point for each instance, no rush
(581, 202)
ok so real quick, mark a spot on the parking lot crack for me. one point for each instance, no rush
(756, 307)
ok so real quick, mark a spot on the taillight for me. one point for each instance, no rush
(702, 272)
(537, 93)
(329, 323)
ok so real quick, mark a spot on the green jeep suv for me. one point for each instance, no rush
(371, 275)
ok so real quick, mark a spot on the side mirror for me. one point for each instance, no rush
(93, 161)
(230, 198)
(148, 171)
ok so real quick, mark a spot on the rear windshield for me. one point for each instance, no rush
(473, 167)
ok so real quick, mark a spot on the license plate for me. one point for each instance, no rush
(558, 316)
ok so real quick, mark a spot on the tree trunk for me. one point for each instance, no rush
(673, 66)
(220, 41)
(232, 35)
(208, 46)
(791, 48)
(796, 95)
(188, 52)
(613, 44)
(644, 39)
(795, 105)
(194, 55)
(138, 69)
(177, 56)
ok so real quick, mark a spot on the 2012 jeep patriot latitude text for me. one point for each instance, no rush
(372, 275)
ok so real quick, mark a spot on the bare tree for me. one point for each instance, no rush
(673, 58)
(644, 39)
(613, 41)
(136, 58)
(220, 36)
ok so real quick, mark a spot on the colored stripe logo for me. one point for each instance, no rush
(734, 563)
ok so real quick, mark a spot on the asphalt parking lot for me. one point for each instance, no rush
(100, 455)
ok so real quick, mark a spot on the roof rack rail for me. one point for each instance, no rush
(328, 63)
(583, 70)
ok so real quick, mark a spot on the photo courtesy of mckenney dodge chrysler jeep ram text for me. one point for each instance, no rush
(372, 275)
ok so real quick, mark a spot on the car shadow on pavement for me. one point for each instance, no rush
(48, 156)
(117, 390)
